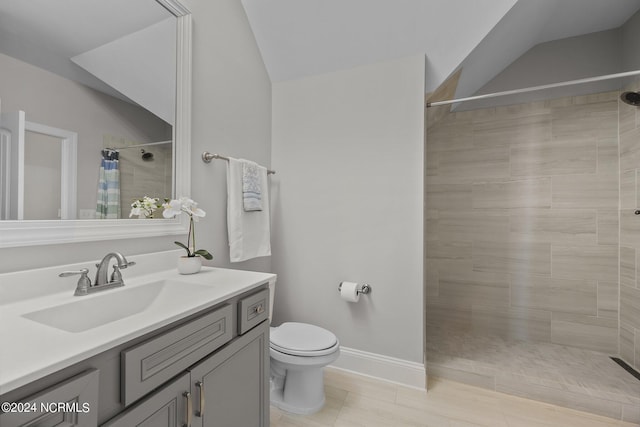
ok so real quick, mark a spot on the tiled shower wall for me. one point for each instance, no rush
(522, 222)
(629, 232)
(139, 178)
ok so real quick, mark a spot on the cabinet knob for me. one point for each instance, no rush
(258, 309)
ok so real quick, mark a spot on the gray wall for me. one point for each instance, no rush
(572, 58)
(589, 55)
(348, 197)
(631, 43)
(231, 115)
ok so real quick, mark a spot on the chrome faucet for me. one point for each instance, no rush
(116, 276)
(101, 283)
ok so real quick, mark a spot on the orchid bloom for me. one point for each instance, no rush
(185, 204)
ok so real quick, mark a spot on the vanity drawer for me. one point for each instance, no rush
(79, 395)
(252, 310)
(153, 362)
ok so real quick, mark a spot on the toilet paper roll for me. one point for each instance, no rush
(349, 291)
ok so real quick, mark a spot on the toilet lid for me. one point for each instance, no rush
(302, 339)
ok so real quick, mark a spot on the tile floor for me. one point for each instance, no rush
(354, 400)
(572, 377)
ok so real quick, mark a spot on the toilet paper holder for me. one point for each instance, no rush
(362, 289)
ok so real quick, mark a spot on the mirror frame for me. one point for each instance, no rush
(37, 232)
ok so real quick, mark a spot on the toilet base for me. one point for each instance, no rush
(277, 400)
(302, 391)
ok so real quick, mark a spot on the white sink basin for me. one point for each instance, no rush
(92, 311)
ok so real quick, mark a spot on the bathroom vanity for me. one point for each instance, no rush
(195, 351)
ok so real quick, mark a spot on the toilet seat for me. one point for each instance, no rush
(302, 339)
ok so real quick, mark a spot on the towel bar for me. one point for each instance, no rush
(207, 157)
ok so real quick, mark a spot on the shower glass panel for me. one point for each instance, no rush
(530, 245)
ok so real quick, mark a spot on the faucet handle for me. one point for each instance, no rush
(116, 276)
(84, 283)
(83, 272)
(127, 264)
(122, 266)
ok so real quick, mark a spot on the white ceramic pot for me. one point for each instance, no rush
(189, 265)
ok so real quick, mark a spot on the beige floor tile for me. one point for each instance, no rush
(360, 385)
(418, 412)
(358, 401)
(372, 412)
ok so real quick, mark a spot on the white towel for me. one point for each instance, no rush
(251, 188)
(249, 232)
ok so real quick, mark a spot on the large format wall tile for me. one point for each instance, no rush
(512, 323)
(587, 191)
(591, 332)
(608, 158)
(555, 295)
(629, 126)
(608, 227)
(470, 225)
(512, 257)
(528, 193)
(466, 293)
(523, 221)
(629, 229)
(628, 189)
(507, 130)
(448, 196)
(608, 299)
(484, 163)
(627, 266)
(630, 306)
(560, 226)
(627, 343)
(555, 158)
(629, 148)
(586, 262)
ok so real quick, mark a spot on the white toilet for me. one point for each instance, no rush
(298, 352)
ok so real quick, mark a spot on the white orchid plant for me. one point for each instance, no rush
(145, 206)
(172, 208)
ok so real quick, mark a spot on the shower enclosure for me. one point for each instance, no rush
(532, 248)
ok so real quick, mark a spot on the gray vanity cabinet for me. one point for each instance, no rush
(231, 387)
(168, 407)
(210, 369)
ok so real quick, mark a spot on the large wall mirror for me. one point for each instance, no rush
(94, 114)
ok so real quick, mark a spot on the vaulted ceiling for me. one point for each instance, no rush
(48, 33)
(300, 38)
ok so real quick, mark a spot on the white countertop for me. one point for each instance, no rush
(30, 350)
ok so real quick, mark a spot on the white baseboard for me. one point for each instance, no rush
(387, 368)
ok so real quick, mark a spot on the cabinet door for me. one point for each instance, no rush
(231, 387)
(72, 403)
(168, 407)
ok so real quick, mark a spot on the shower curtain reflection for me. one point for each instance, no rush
(108, 206)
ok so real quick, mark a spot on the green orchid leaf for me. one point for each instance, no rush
(204, 253)
(183, 246)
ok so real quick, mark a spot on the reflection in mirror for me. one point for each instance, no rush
(42, 173)
(117, 74)
(111, 80)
